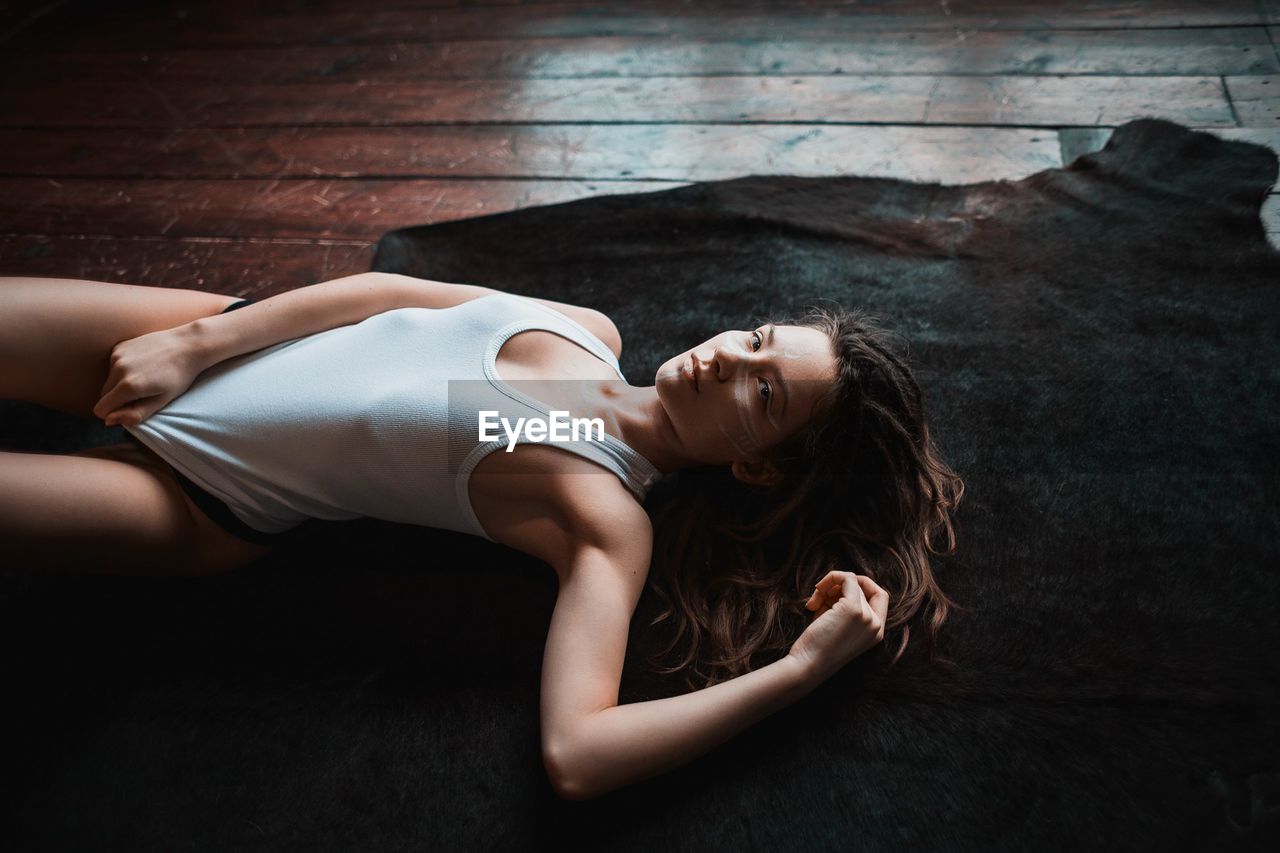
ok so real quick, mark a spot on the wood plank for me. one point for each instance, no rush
(685, 152)
(210, 24)
(342, 209)
(19, 16)
(1199, 51)
(1113, 9)
(983, 100)
(249, 268)
(1082, 140)
(1256, 100)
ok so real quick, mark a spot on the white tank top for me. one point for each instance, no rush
(375, 419)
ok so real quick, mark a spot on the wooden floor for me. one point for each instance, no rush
(226, 145)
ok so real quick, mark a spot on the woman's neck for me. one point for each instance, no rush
(634, 415)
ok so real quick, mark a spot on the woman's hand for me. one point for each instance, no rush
(850, 614)
(147, 372)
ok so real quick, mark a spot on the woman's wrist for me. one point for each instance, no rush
(803, 673)
(288, 316)
(200, 342)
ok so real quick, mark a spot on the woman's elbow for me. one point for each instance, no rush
(563, 775)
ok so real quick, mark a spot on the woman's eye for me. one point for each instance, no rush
(757, 341)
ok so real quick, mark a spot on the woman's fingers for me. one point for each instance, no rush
(835, 582)
(113, 409)
(104, 405)
(828, 580)
(133, 415)
(816, 600)
(838, 584)
(128, 417)
(876, 596)
(827, 591)
(122, 398)
(115, 397)
(853, 592)
(870, 588)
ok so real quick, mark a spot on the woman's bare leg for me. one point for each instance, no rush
(102, 512)
(114, 509)
(56, 334)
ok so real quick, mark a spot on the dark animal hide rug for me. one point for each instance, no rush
(1098, 346)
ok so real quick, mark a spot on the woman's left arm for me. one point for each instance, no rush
(593, 745)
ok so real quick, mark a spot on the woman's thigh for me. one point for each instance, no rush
(56, 335)
(107, 510)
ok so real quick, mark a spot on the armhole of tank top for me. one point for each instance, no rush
(631, 459)
(593, 343)
(462, 485)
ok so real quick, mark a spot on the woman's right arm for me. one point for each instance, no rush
(343, 302)
(148, 371)
(312, 309)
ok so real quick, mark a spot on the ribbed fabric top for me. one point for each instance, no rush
(370, 419)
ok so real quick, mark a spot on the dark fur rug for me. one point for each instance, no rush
(1099, 346)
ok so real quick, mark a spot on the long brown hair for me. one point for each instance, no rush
(862, 489)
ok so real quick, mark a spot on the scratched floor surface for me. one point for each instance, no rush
(248, 148)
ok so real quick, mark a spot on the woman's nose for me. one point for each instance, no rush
(729, 359)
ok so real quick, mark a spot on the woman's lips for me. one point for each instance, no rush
(693, 375)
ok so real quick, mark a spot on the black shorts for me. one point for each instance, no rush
(215, 508)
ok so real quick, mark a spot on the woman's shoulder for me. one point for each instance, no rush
(412, 291)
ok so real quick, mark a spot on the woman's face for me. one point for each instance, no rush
(754, 389)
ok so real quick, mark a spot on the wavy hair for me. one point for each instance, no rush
(862, 489)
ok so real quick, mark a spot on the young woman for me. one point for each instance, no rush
(798, 453)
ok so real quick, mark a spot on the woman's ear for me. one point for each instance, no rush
(756, 473)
